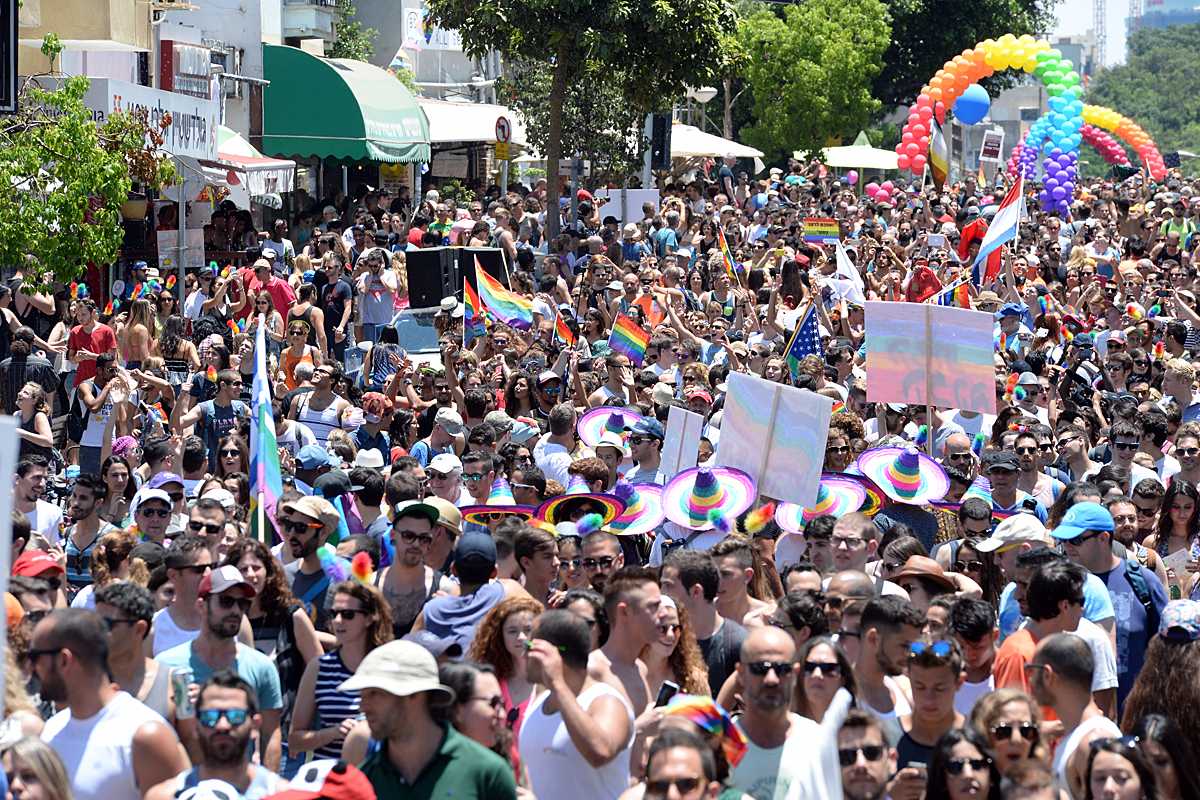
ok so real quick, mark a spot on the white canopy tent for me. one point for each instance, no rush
(688, 141)
(860, 155)
(468, 122)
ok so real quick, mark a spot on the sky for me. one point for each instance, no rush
(1075, 16)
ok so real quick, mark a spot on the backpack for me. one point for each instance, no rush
(1137, 582)
(77, 418)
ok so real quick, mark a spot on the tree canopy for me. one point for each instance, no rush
(809, 70)
(351, 39)
(1156, 86)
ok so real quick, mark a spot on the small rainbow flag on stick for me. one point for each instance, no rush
(629, 339)
(563, 331)
(473, 314)
(508, 307)
(726, 258)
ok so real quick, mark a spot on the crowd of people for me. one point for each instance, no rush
(481, 580)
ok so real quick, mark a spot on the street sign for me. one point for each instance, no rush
(503, 129)
(501, 150)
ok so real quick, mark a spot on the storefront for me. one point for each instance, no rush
(340, 120)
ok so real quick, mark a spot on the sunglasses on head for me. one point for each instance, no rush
(939, 649)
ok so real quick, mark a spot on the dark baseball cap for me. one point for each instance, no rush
(1001, 459)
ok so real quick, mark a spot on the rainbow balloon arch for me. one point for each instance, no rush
(1025, 161)
(1064, 121)
(1098, 122)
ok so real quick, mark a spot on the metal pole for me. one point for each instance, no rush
(647, 174)
(504, 177)
(9, 445)
(345, 179)
(181, 249)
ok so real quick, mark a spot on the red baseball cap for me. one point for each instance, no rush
(33, 563)
(327, 779)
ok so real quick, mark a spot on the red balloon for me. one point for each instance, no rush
(918, 163)
(924, 100)
(939, 112)
(925, 112)
(902, 161)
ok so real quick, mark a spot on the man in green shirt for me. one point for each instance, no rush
(419, 757)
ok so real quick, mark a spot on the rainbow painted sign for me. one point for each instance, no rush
(822, 230)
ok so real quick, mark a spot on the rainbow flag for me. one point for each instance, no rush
(956, 294)
(726, 256)
(266, 478)
(473, 314)
(508, 307)
(821, 230)
(629, 339)
(563, 331)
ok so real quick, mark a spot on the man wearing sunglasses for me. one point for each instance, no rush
(112, 746)
(188, 561)
(217, 418)
(226, 718)
(866, 760)
(304, 524)
(408, 583)
(787, 753)
(224, 599)
(152, 514)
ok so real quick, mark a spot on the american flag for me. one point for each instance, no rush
(805, 341)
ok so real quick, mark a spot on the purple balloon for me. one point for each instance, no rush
(1058, 193)
(1051, 183)
(1043, 197)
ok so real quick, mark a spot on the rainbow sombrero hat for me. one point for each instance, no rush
(605, 418)
(643, 508)
(836, 495)
(500, 501)
(905, 474)
(980, 488)
(695, 496)
(875, 500)
(578, 500)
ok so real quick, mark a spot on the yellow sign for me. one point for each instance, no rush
(502, 151)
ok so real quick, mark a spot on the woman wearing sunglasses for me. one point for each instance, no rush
(824, 668)
(362, 621)
(1010, 721)
(478, 710)
(962, 768)
(674, 656)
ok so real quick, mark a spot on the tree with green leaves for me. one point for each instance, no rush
(1156, 87)
(928, 33)
(653, 51)
(351, 39)
(809, 67)
(63, 178)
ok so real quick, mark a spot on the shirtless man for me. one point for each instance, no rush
(632, 601)
(735, 564)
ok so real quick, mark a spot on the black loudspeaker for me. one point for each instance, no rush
(432, 275)
(660, 142)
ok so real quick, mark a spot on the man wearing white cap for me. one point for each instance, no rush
(447, 426)
(420, 757)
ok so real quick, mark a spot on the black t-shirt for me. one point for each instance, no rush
(721, 652)
(334, 297)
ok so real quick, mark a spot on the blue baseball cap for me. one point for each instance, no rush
(1010, 310)
(648, 426)
(312, 456)
(1083, 517)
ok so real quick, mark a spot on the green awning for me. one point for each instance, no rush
(338, 108)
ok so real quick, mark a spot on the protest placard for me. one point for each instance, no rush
(776, 434)
(682, 441)
(821, 229)
(924, 354)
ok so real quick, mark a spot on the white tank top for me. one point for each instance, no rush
(1062, 754)
(556, 769)
(98, 751)
(167, 634)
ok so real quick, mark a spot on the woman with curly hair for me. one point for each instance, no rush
(674, 656)
(1167, 681)
(844, 427)
(518, 395)
(500, 642)
(362, 621)
(283, 631)
(1010, 721)
(962, 768)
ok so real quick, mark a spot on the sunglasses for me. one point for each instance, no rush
(955, 766)
(209, 717)
(109, 624)
(839, 450)
(968, 566)
(474, 477)
(761, 668)
(348, 614)
(1125, 445)
(847, 756)
(939, 649)
(1082, 538)
(209, 528)
(826, 667)
(1188, 452)
(683, 786)
(421, 538)
(293, 526)
(233, 452)
(199, 569)
(226, 602)
(495, 702)
(604, 562)
(1027, 730)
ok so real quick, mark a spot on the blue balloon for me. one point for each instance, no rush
(1058, 193)
(972, 105)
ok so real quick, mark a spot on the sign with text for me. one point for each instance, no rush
(992, 145)
(821, 230)
(193, 128)
(924, 354)
(777, 434)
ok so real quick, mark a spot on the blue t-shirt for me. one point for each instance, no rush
(1097, 605)
(1133, 632)
(251, 666)
(665, 241)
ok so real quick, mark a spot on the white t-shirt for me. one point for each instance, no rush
(1104, 658)
(969, 693)
(555, 766)
(44, 520)
(804, 767)
(552, 459)
(1067, 746)
(98, 751)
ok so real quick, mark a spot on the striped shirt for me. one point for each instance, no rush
(333, 707)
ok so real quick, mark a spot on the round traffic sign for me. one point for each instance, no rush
(503, 129)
